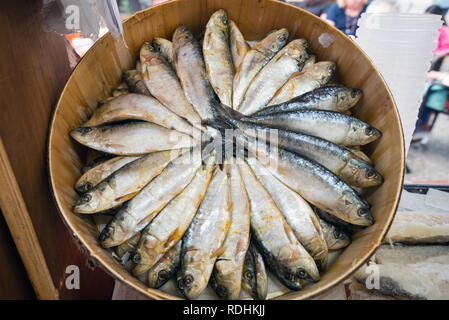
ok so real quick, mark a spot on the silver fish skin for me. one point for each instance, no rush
(332, 126)
(138, 212)
(130, 139)
(139, 107)
(254, 278)
(334, 157)
(299, 83)
(161, 80)
(254, 60)
(169, 226)
(335, 237)
(124, 183)
(298, 214)
(274, 75)
(316, 184)
(217, 56)
(191, 71)
(165, 48)
(284, 255)
(237, 44)
(203, 240)
(226, 277)
(330, 98)
(165, 268)
(98, 173)
(135, 83)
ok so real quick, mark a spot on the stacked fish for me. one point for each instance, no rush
(165, 193)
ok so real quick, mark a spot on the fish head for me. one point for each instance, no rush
(308, 270)
(87, 203)
(347, 98)
(358, 173)
(340, 238)
(357, 210)
(297, 49)
(150, 55)
(322, 71)
(362, 133)
(157, 279)
(83, 134)
(220, 18)
(193, 280)
(182, 36)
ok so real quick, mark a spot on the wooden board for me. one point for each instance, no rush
(33, 70)
(101, 68)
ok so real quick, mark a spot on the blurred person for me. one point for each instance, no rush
(436, 94)
(316, 7)
(344, 14)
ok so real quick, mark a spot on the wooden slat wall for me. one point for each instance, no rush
(33, 70)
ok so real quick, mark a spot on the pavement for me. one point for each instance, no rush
(429, 162)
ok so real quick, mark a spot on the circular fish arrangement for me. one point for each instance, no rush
(221, 161)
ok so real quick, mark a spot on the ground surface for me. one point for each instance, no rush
(429, 163)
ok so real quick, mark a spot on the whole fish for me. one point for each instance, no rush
(191, 70)
(98, 173)
(334, 157)
(298, 214)
(139, 107)
(161, 80)
(151, 199)
(284, 255)
(331, 98)
(316, 184)
(254, 60)
(172, 222)
(165, 268)
(274, 75)
(299, 83)
(129, 245)
(134, 80)
(129, 139)
(238, 45)
(335, 237)
(254, 277)
(124, 183)
(226, 277)
(203, 240)
(332, 126)
(165, 48)
(217, 56)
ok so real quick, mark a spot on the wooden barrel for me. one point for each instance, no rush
(100, 71)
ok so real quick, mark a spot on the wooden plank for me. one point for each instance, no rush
(22, 230)
(14, 282)
(34, 68)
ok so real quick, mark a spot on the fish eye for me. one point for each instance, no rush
(347, 202)
(137, 258)
(248, 275)
(301, 273)
(370, 174)
(85, 129)
(369, 131)
(88, 186)
(362, 212)
(337, 234)
(188, 279)
(86, 198)
(162, 275)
